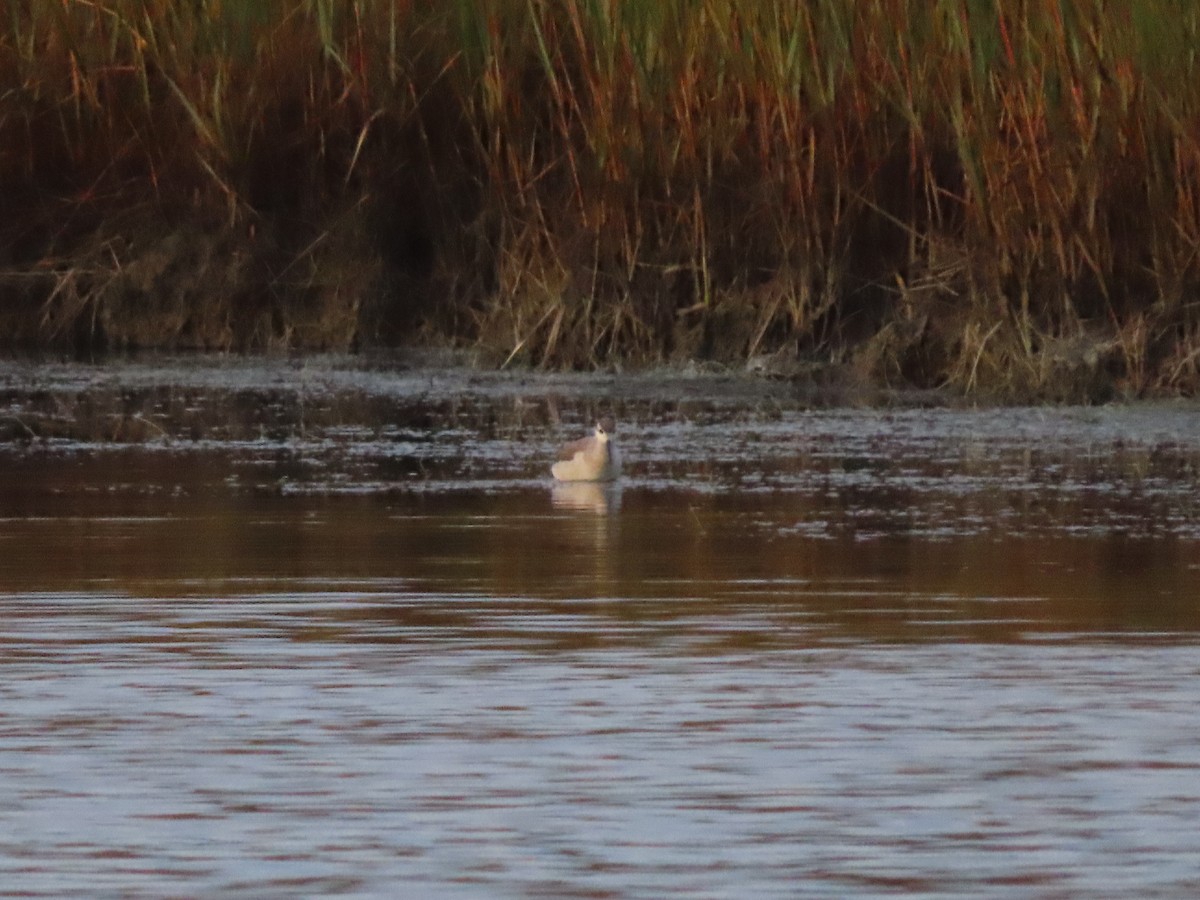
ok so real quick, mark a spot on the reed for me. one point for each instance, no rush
(945, 191)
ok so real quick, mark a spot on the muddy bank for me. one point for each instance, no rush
(215, 398)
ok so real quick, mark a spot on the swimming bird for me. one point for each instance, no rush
(593, 458)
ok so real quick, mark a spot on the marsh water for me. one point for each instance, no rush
(325, 627)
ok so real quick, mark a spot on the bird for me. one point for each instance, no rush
(593, 458)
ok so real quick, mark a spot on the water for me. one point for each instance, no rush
(278, 629)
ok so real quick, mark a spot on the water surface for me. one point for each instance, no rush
(274, 628)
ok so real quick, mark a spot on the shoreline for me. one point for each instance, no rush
(446, 372)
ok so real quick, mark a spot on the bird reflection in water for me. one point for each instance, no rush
(586, 496)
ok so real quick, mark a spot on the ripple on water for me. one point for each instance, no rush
(228, 745)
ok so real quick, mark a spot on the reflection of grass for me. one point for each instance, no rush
(1001, 197)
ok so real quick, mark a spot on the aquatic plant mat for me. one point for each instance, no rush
(996, 198)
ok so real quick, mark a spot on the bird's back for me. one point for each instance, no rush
(587, 459)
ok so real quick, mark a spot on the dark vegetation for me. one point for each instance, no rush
(1002, 198)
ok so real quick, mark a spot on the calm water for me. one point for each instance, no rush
(278, 629)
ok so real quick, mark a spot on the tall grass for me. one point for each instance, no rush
(977, 192)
